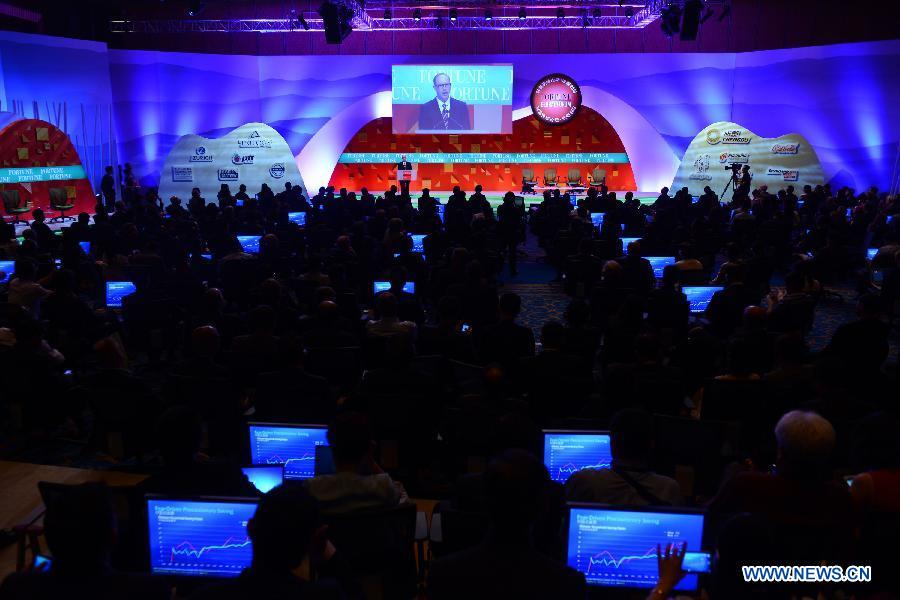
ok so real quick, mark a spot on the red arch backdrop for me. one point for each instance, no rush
(587, 132)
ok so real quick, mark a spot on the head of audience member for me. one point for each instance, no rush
(261, 320)
(271, 293)
(111, 354)
(352, 442)
(213, 301)
(26, 269)
(634, 249)
(398, 279)
(754, 318)
(670, 276)
(790, 350)
(510, 306)
(386, 305)
(577, 313)
(734, 274)
(794, 282)
(646, 349)
(805, 442)
(282, 529)
(179, 434)
(664, 191)
(553, 336)
(515, 485)
(80, 529)
(869, 306)
(612, 273)
(205, 342)
(517, 430)
(63, 282)
(631, 436)
(38, 215)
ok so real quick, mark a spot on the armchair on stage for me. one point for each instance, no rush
(550, 178)
(59, 201)
(528, 181)
(597, 177)
(13, 205)
(574, 179)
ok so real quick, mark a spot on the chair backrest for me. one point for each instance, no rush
(550, 174)
(11, 199)
(58, 197)
(380, 547)
(599, 174)
(528, 174)
(574, 174)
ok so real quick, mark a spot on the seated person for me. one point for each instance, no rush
(800, 496)
(80, 532)
(359, 483)
(185, 470)
(286, 535)
(629, 482)
(514, 493)
(388, 322)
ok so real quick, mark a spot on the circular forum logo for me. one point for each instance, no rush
(555, 99)
(713, 137)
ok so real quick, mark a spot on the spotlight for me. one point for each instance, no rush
(438, 22)
(417, 15)
(488, 16)
(584, 19)
(453, 14)
(629, 12)
(560, 13)
(597, 13)
(387, 14)
(303, 23)
(522, 14)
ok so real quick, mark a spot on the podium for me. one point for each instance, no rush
(406, 175)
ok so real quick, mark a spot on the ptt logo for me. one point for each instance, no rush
(733, 157)
(228, 175)
(200, 155)
(277, 170)
(246, 159)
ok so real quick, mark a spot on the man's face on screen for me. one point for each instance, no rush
(442, 87)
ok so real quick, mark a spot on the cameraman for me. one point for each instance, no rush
(742, 181)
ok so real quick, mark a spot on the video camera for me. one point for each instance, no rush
(733, 167)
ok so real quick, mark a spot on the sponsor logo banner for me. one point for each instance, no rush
(701, 168)
(713, 137)
(277, 170)
(182, 174)
(255, 141)
(734, 157)
(228, 174)
(201, 155)
(787, 174)
(238, 159)
(555, 99)
(736, 136)
(785, 148)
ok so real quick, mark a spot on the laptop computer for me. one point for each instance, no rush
(870, 253)
(199, 537)
(597, 219)
(418, 243)
(382, 286)
(659, 263)
(628, 240)
(298, 218)
(249, 243)
(264, 477)
(567, 452)
(616, 547)
(85, 247)
(699, 296)
(293, 446)
(7, 268)
(324, 461)
(116, 290)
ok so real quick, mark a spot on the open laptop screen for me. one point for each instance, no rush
(116, 290)
(249, 243)
(700, 296)
(204, 537)
(659, 263)
(298, 218)
(617, 547)
(293, 446)
(383, 286)
(7, 268)
(566, 452)
(264, 477)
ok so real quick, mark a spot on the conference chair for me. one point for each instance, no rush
(380, 546)
(597, 177)
(59, 201)
(574, 178)
(550, 178)
(528, 181)
(12, 204)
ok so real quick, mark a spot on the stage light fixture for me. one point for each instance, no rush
(488, 16)
(584, 20)
(671, 20)
(337, 19)
(387, 14)
(560, 13)
(690, 22)
(452, 14)
(597, 13)
(522, 14)
(629, 12)
(417, 15)
(438, 22)
(303, 23)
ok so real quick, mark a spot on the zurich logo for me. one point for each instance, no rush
(200, 150)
